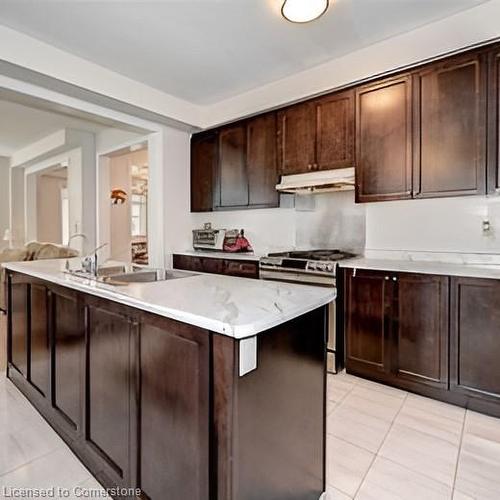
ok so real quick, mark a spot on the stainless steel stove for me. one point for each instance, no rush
(314, 267)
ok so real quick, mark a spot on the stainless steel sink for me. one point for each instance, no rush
(123, 275)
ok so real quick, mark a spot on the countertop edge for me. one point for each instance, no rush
(213, 325)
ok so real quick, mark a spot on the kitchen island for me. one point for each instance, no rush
(202, 387)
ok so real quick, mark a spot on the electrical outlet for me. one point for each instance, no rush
(486, 225)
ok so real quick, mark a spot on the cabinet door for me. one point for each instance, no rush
(203, 166)
(494, 122)
(383, 139)
(335, 131)
(450, 129)
(297, 139)
(109, 390)
(421, 329)
(39, 338)
(174, 397)
(232, 175)
(69, 342)
(475, 341)
(262, 161)
(368, 310)
(18, 322)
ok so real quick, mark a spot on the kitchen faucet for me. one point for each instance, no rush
(89, 262)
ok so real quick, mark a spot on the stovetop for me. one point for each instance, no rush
(321, 254)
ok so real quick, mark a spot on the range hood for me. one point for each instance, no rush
(341, 179)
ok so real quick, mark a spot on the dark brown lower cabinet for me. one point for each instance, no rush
(109, 395)
(368, 304)
(160, 406)
(39, 338)
(68, 333)
(420, 329)
(18, 322)
(174, 397)
(475, 339)
(397, 327)
(434, 335)
(236, 267)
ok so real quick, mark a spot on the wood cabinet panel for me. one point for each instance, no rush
(421, 329)
(262, 161)
(18, 323)
(176, 459)
(243, 269)
(368, 305)
(297, 139)
(475, 342)
(40, 339)
(494, 122)
(233, 179)
(335, 131)
(450, 128)
(203, 167)
(109, 388)
(383, 140)
(69, 350)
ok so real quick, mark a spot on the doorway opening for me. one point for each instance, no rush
(124, 203)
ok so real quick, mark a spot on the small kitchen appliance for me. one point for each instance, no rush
(208, 238)
(311, 267)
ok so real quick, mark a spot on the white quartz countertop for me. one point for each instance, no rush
(236, 307)
(425, 267)
(220, 255)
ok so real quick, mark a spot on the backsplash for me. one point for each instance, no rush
(333, 221)
(436, 227)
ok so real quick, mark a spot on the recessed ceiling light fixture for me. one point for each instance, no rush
(303, 11)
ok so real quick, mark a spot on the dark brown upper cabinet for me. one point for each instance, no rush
(317, 135)
(232, 171)
(494, 122)
(335, 131)
(297, 139)
(203, 166)
(262, 166)
(450, 128)
(383, 139)
(235, 167)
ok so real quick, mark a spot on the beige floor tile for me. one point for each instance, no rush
(482, 426)
(357, 428)
(385, 389)
(387, 480)
(373, 403)
(57, 469)
(434, 407)
(430, 423)
(334, 494)
(338, 388)
(478, 473)
(421, 453)
(346, 465)
(458, 495)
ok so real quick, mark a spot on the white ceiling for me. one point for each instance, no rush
(207, 50)
(21, 125)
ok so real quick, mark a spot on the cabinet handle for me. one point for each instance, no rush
(386, 278)
(309, 167)
(394, 278)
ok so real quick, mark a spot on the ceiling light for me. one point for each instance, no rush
(303, 11)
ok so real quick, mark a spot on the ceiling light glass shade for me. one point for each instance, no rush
(303, 11)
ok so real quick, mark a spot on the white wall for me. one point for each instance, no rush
(49, 208)
(4, 199)
(439, 225)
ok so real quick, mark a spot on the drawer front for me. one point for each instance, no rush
(241, 269)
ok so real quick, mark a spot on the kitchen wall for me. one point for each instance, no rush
(4, 198)
(434, 225)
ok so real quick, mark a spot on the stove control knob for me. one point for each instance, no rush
(329, 268)
(321, 267)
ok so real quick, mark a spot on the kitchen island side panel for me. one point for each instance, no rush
(270, 424)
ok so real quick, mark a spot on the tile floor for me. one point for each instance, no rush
(387, 444)
(383, 444)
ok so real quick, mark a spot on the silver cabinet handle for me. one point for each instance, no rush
(387, 278)
(394, 278)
